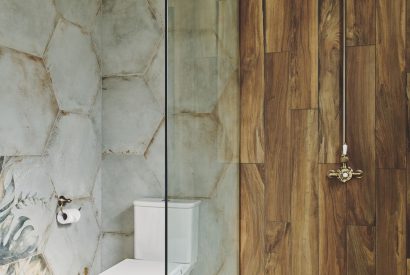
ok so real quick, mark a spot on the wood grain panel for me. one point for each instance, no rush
(277, 248)
(360, 22)
(332, 224)
(360, 133)
(252, 82)
(304, 217)
(408, 210)
(390, 96)
(391, 222)
(304, 50)
(329, 81)
(408, 266)
(408, 111)
(408, 36)
(278, 31)
(277, 157)
(252, 249)
(361, 242)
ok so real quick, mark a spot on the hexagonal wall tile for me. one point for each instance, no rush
(159, 8)
(130, 114)
(218, 227)
(195, 85)
(192, 148)
(79, 242)
(155, 76)
(26, 25)
(125, 179)
(81, 12)
(72, 155)
(115, 248)
(27, 105)
(74, 68)
(155, 155)
(97, 262)
(27, 207)
(129, 36)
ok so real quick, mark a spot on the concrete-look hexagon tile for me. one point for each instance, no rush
(192, 146)
(125, 179)
(155, 76)
(159, 8)
(195, 86)
(81, 12)
(96, 118)
(97, 262)
(27, 104)
(218, 250)
(130, 34)
(27, 206)
(155, 155)
(130, 115)
(26, 25)
(96, 36)
(79, 242)
(73, 67)
(97, 197)
(228, 113)
(115, 248)
(72, 155)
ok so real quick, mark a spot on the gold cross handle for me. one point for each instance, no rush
(345, 172)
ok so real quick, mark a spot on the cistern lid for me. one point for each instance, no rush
(160, 203)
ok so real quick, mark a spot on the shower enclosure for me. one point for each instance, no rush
(203, 124)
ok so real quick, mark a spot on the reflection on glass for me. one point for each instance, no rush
(203, 136)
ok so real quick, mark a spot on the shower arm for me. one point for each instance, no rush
(345, 172)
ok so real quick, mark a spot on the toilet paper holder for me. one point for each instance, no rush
(62, 201)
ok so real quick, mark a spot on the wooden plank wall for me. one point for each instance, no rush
(293, 219)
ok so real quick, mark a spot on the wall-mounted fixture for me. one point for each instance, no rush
(67, 216)
(345, 172)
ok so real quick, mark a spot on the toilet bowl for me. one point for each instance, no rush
(149, 238)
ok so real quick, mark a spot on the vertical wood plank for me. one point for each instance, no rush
(408, 108)
(408, 36)
(277, 248)
(390, 97)
(360, 22)
(361, 250)
(252, 248)
(303, 53)
(408, 266)
(252, 81)
(360, 133)
(408, 211)
(329, 81)
(391, 222)
(332, 224)
(304, 216)
(277, 129)
(278, 31)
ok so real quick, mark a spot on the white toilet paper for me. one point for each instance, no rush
(68, 216)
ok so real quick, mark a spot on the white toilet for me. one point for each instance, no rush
(149, 238)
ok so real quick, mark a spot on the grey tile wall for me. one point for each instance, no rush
(50, 136)
(132, 113)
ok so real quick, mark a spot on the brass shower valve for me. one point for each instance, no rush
(345, 172)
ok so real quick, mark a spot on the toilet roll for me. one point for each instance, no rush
(68, 216)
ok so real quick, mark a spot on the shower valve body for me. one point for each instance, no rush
(345, 172)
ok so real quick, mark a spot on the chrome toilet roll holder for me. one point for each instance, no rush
(62, 201)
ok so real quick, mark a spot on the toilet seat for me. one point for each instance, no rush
(141, 267)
